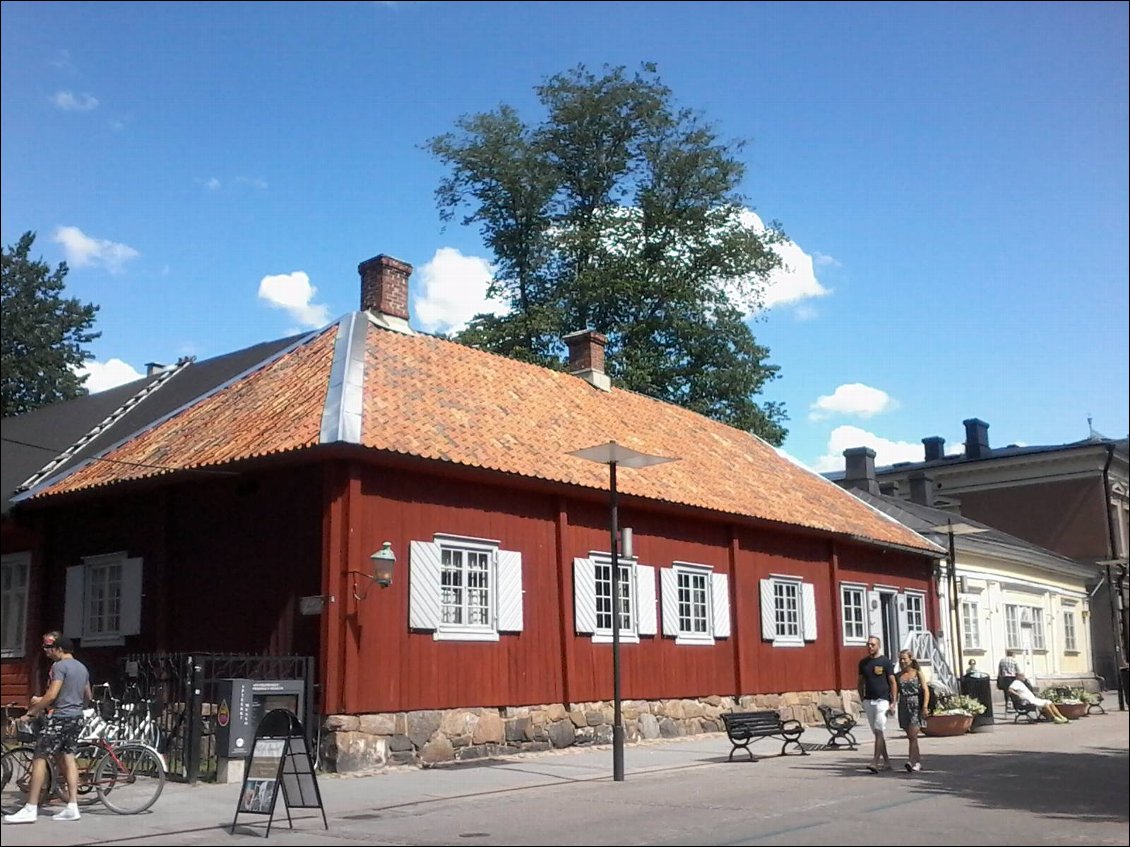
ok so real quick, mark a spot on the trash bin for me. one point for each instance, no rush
(979, 686)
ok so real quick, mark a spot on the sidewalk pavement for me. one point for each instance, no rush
(355, 805)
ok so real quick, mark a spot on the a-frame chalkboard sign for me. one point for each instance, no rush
(279, 757)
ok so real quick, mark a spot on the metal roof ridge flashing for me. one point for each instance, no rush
(216, 389)
(345, 394)
(389, 322)
(98, 429)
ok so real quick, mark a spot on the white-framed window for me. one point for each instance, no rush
(592, 598)
(970, 625)
(1012, 627)
(103, 600)
(788, 611)
(14, 569)
(696, 603)
(1018, 618)
(853, 604)
(1038, 639)
(464, 589)
(915, 612)
(1070, 645)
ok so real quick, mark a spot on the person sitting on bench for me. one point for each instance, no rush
(1019, 689)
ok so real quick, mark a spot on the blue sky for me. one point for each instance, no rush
(953, 177)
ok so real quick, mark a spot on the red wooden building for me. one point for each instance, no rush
(202, 526)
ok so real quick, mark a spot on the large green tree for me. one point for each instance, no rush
(621, 212)
(43, 334)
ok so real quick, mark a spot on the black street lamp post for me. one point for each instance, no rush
(613, 454)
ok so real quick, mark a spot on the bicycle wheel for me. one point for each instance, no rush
(15, 770)
(129, 778)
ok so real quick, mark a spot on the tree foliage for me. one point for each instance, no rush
(619, 212)
(43, 334)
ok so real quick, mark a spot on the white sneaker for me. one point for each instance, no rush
(28, 814)
(69, 813)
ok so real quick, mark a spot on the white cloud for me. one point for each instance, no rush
(71, 102)
(62, 60)
(886, 452)
(452, 290)
(293, 293)
(212, 184)
(81, 250)
(796, 279)
(109, 374)
(853, 398)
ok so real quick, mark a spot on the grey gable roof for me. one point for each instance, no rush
(922, 519)
(31, 442)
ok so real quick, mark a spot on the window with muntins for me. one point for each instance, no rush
(1069, 643)
(592, 598)
(1038, 641)
(464, 589)
(915, 613)
(853, 608)
(696, 603)
(103, 599)
(13, 603)
(788, 611)
(1012, 627)
(970, 626)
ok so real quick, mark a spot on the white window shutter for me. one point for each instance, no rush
(808, 609)
(903, 623)
(423, 585)
(669, 586)
(875, 616)
(720, 586)
(510, 597)
(74, 605)
(584, 596)
(131, 597)
(768, 611)
(645, 592)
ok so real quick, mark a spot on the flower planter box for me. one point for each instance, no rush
(941, 725)
(1073, 711)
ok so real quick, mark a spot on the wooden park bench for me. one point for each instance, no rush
(839, 725)
(746, 727)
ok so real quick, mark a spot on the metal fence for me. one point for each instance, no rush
(179, 692)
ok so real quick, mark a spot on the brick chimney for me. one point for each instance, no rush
(935, 448)
(586, 357)
(384, 290)
(976, 439)
(859, 469)
(922, 488)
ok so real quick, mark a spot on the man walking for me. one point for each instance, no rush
(879, 692)
(68, 690)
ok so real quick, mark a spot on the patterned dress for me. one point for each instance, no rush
(910, 702)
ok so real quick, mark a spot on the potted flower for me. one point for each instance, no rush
(953, 715)
(1071, 702)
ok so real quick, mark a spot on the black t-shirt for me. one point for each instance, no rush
(876, 673)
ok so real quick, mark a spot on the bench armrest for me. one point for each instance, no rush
(792, 726)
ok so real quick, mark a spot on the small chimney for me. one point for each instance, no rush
(922, 488)
(586, 357)
(384, 288)
(976, 439)
(935, 448)
(153, 368)
(859, 467)
(889, 488)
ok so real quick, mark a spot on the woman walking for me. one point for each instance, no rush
(914, 701)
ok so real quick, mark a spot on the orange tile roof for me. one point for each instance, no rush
(435, 399)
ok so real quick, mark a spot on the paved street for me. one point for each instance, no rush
(1014, 784)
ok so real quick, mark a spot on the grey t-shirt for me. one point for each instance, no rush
(74, 677)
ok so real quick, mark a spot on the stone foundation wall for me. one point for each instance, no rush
(368, 743)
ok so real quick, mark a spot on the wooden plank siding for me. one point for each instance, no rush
(226, 559)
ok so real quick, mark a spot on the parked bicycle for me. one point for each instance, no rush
(126, 776)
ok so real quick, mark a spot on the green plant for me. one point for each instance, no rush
(959, 704)
(1066, 694)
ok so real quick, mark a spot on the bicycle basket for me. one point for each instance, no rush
(28, 731)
